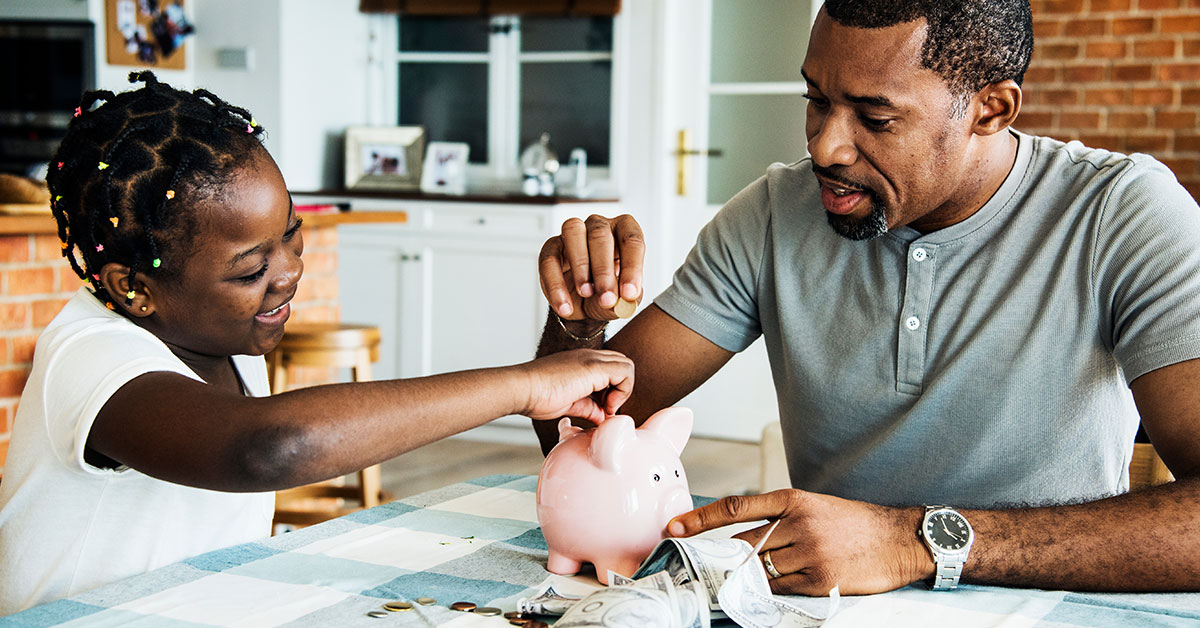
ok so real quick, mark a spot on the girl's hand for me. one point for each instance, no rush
(563, 384)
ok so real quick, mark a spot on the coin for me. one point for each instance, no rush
(377, 614)
(537, 624)
(625, 308)
(519, 621)
(515, 615)
(487, 610)
(398, 605)
(463, 606)
(426, 601)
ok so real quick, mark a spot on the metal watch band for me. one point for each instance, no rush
(946, 575)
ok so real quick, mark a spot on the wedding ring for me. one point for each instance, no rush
(770, 566)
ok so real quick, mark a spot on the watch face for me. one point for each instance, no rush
(947, 530)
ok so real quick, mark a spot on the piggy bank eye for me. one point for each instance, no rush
(676, 472)
(657, 478)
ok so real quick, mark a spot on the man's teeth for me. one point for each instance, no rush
(274, 311)
(842, 191)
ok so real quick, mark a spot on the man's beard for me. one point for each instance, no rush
(870, 226)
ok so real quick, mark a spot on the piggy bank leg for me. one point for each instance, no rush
(624, 565)
(561, 565)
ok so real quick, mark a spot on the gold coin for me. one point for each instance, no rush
(426, 601)
(487, 610)
(625, 308)
(377, 614)
(398, 605)
(537, 624)
(463, 606)
(519, 621)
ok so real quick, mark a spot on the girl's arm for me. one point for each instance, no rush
(184, 431)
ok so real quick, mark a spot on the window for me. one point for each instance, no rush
(498, 83)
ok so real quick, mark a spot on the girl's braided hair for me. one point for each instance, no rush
(125, 181)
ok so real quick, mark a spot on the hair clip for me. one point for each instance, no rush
(99, 248)
(156, 263)
(114, 220)
(78, 111)
(129, 297)
(170, 194)
(60, 165)
(95, 276)
(102, 166)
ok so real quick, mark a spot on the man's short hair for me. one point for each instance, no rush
(969, 43)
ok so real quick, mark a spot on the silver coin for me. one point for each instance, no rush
(426, 601)
(377, 614)
(487, 610)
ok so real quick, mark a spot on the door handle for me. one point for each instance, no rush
(682, 152)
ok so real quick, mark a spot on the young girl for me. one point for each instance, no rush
(145, 434)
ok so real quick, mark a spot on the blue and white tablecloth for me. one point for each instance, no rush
(479, 542)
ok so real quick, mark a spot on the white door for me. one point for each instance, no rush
(733, 85)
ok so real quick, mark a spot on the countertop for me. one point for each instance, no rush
(35, 219)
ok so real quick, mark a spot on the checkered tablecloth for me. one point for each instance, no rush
(479, 542)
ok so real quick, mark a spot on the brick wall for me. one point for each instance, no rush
(1119, 74)
(35, 282)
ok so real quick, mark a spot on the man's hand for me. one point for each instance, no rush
(562, 384)
(823, 541)
(592, 266)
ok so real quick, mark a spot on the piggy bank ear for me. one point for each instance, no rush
(673, 424)
(608, 441)
(566, 429)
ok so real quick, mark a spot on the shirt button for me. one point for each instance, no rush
(912, 323)
(920, 254)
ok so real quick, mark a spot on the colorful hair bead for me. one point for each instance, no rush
(156, 263)
(102, 166)
(58, 198)
(60, 165)
(99, 248)
(170, 194)
(77, 112)
(109, 305)
(95, 276)
(63, 245)
(114, 220)
(249, 128)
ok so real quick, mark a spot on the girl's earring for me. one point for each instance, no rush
(129, 297)
(143, 308)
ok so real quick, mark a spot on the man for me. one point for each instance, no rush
(955, 313)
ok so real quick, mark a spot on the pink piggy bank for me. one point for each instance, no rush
(605, 495)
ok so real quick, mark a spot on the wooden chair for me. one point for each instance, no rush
(1145, 469)
(327, 345)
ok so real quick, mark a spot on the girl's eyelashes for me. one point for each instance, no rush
(249, 279)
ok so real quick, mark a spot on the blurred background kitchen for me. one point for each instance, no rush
(437, 143)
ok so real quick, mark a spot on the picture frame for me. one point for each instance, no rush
(445, 168)
(384, 158)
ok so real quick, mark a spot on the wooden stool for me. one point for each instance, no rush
(330, 345)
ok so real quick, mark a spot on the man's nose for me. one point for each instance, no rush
(832, 144)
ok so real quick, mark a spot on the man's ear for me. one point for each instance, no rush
(135, 299)
(996, 107)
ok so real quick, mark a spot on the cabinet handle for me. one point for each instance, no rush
(404, 257)
(481, 221)
(416, 258)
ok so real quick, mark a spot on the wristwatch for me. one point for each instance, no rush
(948, 537)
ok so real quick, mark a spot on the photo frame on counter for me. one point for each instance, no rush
(384, 158)
(445, 168)
(144, 34)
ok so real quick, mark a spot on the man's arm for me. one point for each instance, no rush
(584, 271)
(1147, 540)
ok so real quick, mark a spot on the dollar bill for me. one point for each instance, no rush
(621, 607)
(546, 601)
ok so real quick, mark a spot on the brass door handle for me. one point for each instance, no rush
(681, 153)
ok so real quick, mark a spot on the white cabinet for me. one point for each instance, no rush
(455, 287)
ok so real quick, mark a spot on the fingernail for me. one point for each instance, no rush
(608, 299)
(629, 291)
(675, 528)
(564, 309)
(585, 290)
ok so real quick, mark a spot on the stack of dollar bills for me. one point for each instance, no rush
(685, 583)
